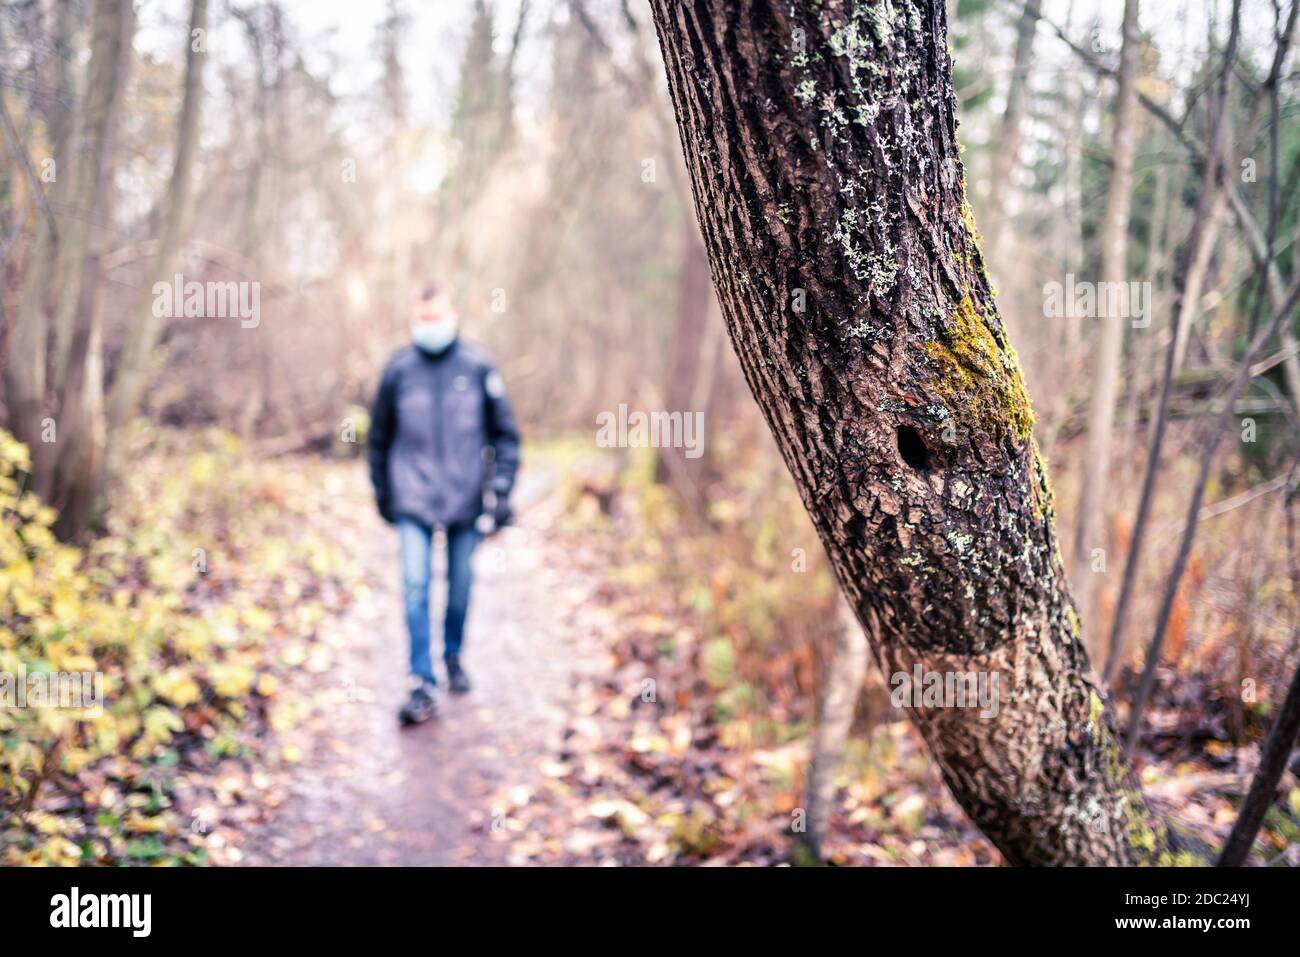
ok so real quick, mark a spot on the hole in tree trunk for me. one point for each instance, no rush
(912, 448)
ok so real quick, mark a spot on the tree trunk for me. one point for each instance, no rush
(25, 372)
(1190, 305)
(1089, 534)
(821, 143)
(1072, 176)
(1263, 787)
(842, 685)
(1007, 141)
(133, 372)
(80, 419)
(685, 360)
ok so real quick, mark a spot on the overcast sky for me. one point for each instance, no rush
(338, 35)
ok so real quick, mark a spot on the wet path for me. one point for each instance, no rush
(370, 792)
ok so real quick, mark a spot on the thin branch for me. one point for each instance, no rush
(1243, 498)
(1276, 359)
(20, 156)
(1194, 508)
(1272, 763)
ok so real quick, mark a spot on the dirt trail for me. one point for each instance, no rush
(370, 792)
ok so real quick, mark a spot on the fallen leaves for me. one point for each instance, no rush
(183, 607)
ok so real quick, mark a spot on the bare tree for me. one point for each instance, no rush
(1008, 135)
(63, 297)
(1088, 534)
(1281, 321)
(1217, 430)
(133, 372)
(686, 368)
(845, 668)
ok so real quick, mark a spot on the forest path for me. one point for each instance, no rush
(368, 791)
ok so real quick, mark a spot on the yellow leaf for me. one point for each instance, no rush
(177, 686)
(160, 723)
(232, 681)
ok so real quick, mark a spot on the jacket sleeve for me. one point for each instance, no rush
(383, 420)
(502, 433)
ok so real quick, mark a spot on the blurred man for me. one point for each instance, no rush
(441, 404)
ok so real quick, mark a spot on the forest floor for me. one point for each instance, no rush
(557, 755)
(643, 687)
(597, 731)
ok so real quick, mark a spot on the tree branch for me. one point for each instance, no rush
(22, 159)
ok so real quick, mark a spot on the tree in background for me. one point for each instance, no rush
(56, 348)
(134, 370)
(1110, 350)
(1009, 126)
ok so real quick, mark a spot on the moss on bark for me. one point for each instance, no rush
(973, 372)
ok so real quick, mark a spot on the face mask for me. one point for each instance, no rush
(433, 337)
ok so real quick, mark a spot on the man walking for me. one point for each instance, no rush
(440, 407)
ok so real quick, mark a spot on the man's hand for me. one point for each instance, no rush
(496, 514)
(501, 513)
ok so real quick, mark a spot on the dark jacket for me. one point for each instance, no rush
(433, 419)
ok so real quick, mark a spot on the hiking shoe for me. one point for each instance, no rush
(421, 705)
(457, 680)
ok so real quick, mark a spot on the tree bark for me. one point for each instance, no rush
(1089, 532)
(821, 143)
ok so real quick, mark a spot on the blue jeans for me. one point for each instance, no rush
(416, 543)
